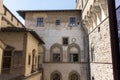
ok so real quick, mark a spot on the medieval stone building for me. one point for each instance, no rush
(77, 42)
(67, 34)
(96, 21)
(65, 50)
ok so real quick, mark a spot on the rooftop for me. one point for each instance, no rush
(17, 29)
(22, 12)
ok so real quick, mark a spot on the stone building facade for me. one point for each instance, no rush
(65, 50)
(77, 42)
(96, 21)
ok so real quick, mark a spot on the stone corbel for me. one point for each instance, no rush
(85, 22)
(97, 9)
(104, 6)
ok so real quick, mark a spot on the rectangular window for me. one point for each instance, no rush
(11, 18)
(40, 22)
(65, 41)
(5, 11)
(7, 59)
(73, 57)
(57, 22)
(56, 57)
(29, 60)
(17, 23)
(72, 21)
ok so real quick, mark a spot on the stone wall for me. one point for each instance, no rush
(99, 38)
(65, 69)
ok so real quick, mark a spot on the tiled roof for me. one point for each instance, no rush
(17, 29)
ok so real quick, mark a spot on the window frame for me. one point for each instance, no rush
(55, 60)
(72, 55)
(72, 21)
(57, 22)
(40, 21)
(65, 43)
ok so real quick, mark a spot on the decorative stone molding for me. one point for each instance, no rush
(56, 75)
(58, 48)
(76, 75)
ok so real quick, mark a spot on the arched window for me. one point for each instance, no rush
(74, 76)
(56, 76)
(92, 53)
(33, 60)
(73, 53)
(56, 53)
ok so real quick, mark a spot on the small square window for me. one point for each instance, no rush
(72, 21)
(57, 22)
(40, 22)
(65, 41)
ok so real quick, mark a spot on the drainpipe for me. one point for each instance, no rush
(88, 55)
(114, 39)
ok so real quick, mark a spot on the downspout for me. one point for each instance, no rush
(87, 50)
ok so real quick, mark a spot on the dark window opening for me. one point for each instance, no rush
(65, 41)
(6, 61)
(56, 57)
(57, 22)
(5, 11)
(73, 57)
(11, 18)
(98, 29)
(56, 76)
(40, 22)
(74, 77)
(29, 60)
(72, 21)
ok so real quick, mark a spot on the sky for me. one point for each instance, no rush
(15, 5)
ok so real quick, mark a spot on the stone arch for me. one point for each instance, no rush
(56, 75)
(74, 75)
(56, 49)
(34, 64)
(73, 49)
